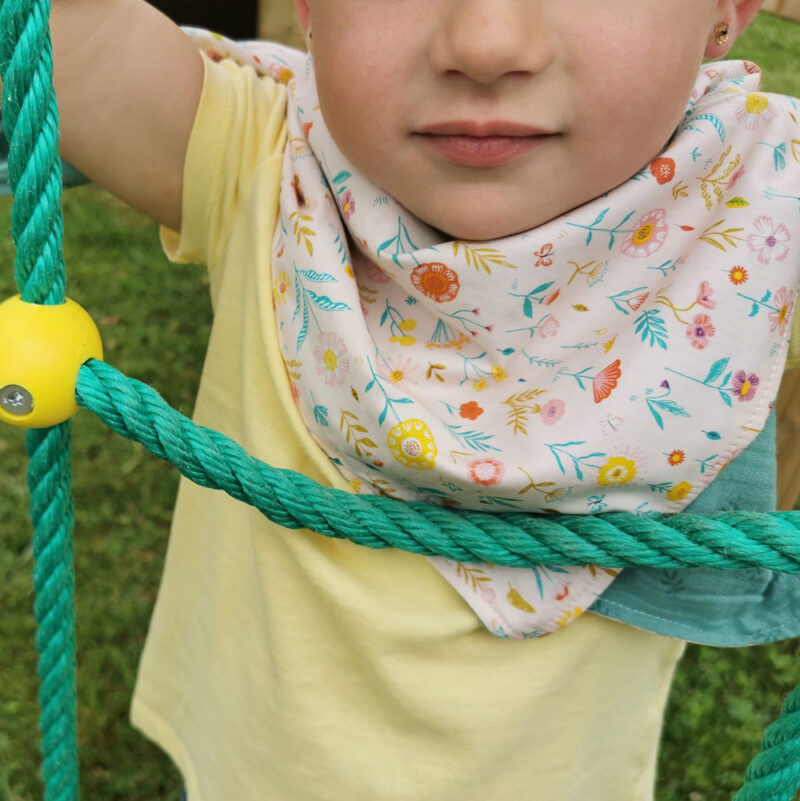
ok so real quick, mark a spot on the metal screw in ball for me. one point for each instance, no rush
(16, 399)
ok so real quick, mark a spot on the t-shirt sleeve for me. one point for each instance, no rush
(240, 121)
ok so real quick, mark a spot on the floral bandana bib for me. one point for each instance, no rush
(613, 359)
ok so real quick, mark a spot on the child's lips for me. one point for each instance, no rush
(489, 144)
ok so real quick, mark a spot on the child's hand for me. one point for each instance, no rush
(128, 82)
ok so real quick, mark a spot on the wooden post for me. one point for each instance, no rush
(783, 8)
(277, 22)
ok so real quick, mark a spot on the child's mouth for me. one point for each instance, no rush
(491, 144)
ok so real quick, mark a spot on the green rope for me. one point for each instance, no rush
(30, 116)
(725, 540)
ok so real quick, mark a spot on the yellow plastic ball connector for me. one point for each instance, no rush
(42, 349)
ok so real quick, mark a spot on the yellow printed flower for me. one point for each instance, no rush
(617, 470)
(407, 325)
(411, 443)
(755, 110)
(570, 616)
(679, 491)
(480, 384)
(498, 373)
(403, 340)
(281, 289)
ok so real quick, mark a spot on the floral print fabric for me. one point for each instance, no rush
(614, 359)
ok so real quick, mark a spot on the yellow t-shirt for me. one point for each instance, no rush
(284, 666)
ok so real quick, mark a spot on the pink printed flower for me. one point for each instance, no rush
(330, 357)
(367, 268)
(770, 241)
(549, 328)
(704, 294)
(487, 472)
(552, 412)
(736, 177)
(779, 318)
(744, 385)
(348, 204)
(399, 371)
(700, 331)
(648, 235)
(754, 109)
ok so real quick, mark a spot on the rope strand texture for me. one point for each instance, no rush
(30, 116)
(726, 540)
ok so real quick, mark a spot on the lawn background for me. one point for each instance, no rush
(155, 319)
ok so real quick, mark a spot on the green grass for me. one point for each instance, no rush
(154, 318)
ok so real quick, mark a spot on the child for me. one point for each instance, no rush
(497, 255)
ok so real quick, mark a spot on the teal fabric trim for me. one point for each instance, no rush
(716, 607)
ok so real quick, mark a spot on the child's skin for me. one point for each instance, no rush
(607, 80)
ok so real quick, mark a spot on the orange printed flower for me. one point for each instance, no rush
(738, 275)
(436, 281)
(676, 457)
(663, 169)
(606, 380)
(470, 411)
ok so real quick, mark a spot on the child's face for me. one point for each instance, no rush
(603, 83)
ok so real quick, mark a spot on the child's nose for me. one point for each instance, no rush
(486, 39)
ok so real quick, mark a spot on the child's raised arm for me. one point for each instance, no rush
(128, 82)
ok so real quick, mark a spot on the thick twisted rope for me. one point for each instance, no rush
(725, 541)
(30, 117)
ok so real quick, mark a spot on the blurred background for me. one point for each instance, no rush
(155, 318)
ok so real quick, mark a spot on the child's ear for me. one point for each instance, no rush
(737, 14)
(303, 15)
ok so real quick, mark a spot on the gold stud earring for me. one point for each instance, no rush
(722, 32)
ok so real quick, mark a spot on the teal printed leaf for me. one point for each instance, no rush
(369, 386)
(475, 440)
(716, 370)
(767, 296)
(312, 275)
(659, 420)
(726, 397)
(303, 333)
(651, 324)
(326, 304)
(753, 311)
(726, 379)
(342, 177)
(321, 415)
(672, 407)
(714, 120)
(600, 217)
(541, 288)
(527, 308)
(714, 435)
(779, 154)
